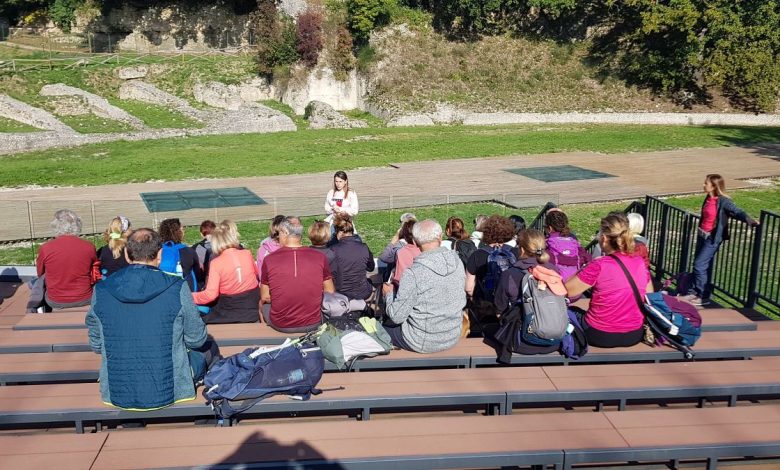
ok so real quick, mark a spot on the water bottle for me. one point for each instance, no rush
(179, 271)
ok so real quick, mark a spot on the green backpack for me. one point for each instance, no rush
(344, 340)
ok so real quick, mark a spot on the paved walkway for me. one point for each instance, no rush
(409, 184)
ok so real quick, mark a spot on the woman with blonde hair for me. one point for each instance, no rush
(270, 243)
(533, 260)
(232, 290)
(713, 230)
(614, 318)
(112, 254)
(319, 236)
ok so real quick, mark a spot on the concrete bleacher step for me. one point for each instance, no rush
(425, 390)
(561, 439)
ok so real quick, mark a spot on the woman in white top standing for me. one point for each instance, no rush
(340, 200)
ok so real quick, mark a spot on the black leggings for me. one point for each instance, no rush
(603, 339)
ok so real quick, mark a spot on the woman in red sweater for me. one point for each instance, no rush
(232, 290)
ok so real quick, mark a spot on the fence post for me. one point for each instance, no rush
(32, 230)
(755, 262)
(92, 211)
(685, 250)
(659, 263)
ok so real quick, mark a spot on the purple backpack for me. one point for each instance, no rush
(565, 255)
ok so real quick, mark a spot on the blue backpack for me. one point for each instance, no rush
(499, 260)
(673, 323)
(574, 345)
(170, 261)
(237, 383)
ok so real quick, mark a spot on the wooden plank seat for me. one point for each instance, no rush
(409, 443)
(707, 434)
(25, 405)
(562, 439)
(471, 352)
(714, 319)
(61, 451)
(713, 345)
(622, 383)
(82, 366)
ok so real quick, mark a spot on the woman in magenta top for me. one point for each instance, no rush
(613, 318)
(713, 230)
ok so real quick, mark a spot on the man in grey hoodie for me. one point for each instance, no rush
(427, 310)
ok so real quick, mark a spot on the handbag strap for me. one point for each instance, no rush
(638, 297)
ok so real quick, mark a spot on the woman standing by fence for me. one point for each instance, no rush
(713, 230)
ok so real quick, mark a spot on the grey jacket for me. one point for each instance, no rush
(430, 300)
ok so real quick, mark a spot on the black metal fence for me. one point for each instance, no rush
(747, 267)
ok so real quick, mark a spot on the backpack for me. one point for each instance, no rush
(464, 249)
(683, 326)
(574, 344)
(237, 383)
(545, 316)
(344, 340)
(565, 254)
(499, 260)
(170, 261)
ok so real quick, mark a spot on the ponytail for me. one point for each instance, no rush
(533, 244)
(617, 235)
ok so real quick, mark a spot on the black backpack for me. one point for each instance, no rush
(464, 249)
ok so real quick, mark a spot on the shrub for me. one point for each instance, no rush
(276, 39)
(63, 13)
(309, 37)
(341, 58)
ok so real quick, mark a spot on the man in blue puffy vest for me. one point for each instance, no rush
(144, 324)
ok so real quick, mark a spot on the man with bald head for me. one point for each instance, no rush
(427, 311)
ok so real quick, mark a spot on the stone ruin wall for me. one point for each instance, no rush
(175, 27)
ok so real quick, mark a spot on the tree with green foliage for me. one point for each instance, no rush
(63, 13)
(363, 16)
(743, 51)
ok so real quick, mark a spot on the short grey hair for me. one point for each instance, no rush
(66, 222)
(407, 216)
(292, 227)
(427, 231)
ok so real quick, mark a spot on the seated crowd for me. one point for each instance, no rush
(149, 291)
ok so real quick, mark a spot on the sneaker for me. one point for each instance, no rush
(698, 301)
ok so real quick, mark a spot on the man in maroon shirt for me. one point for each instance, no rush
(293, 280)
(67, 263)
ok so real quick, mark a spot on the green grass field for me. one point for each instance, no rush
(156, 117)
(377, 227)
(329, 150)
(10, 125)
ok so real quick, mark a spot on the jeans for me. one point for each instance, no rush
(703, 263)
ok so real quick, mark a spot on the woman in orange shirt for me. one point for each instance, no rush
(232, 290)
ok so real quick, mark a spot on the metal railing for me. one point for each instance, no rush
(764, 281)
(747, 266)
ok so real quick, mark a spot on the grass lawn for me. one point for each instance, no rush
(328, 150)
(91, 124)
(156, 117)
(10, 125)
(377, 227)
